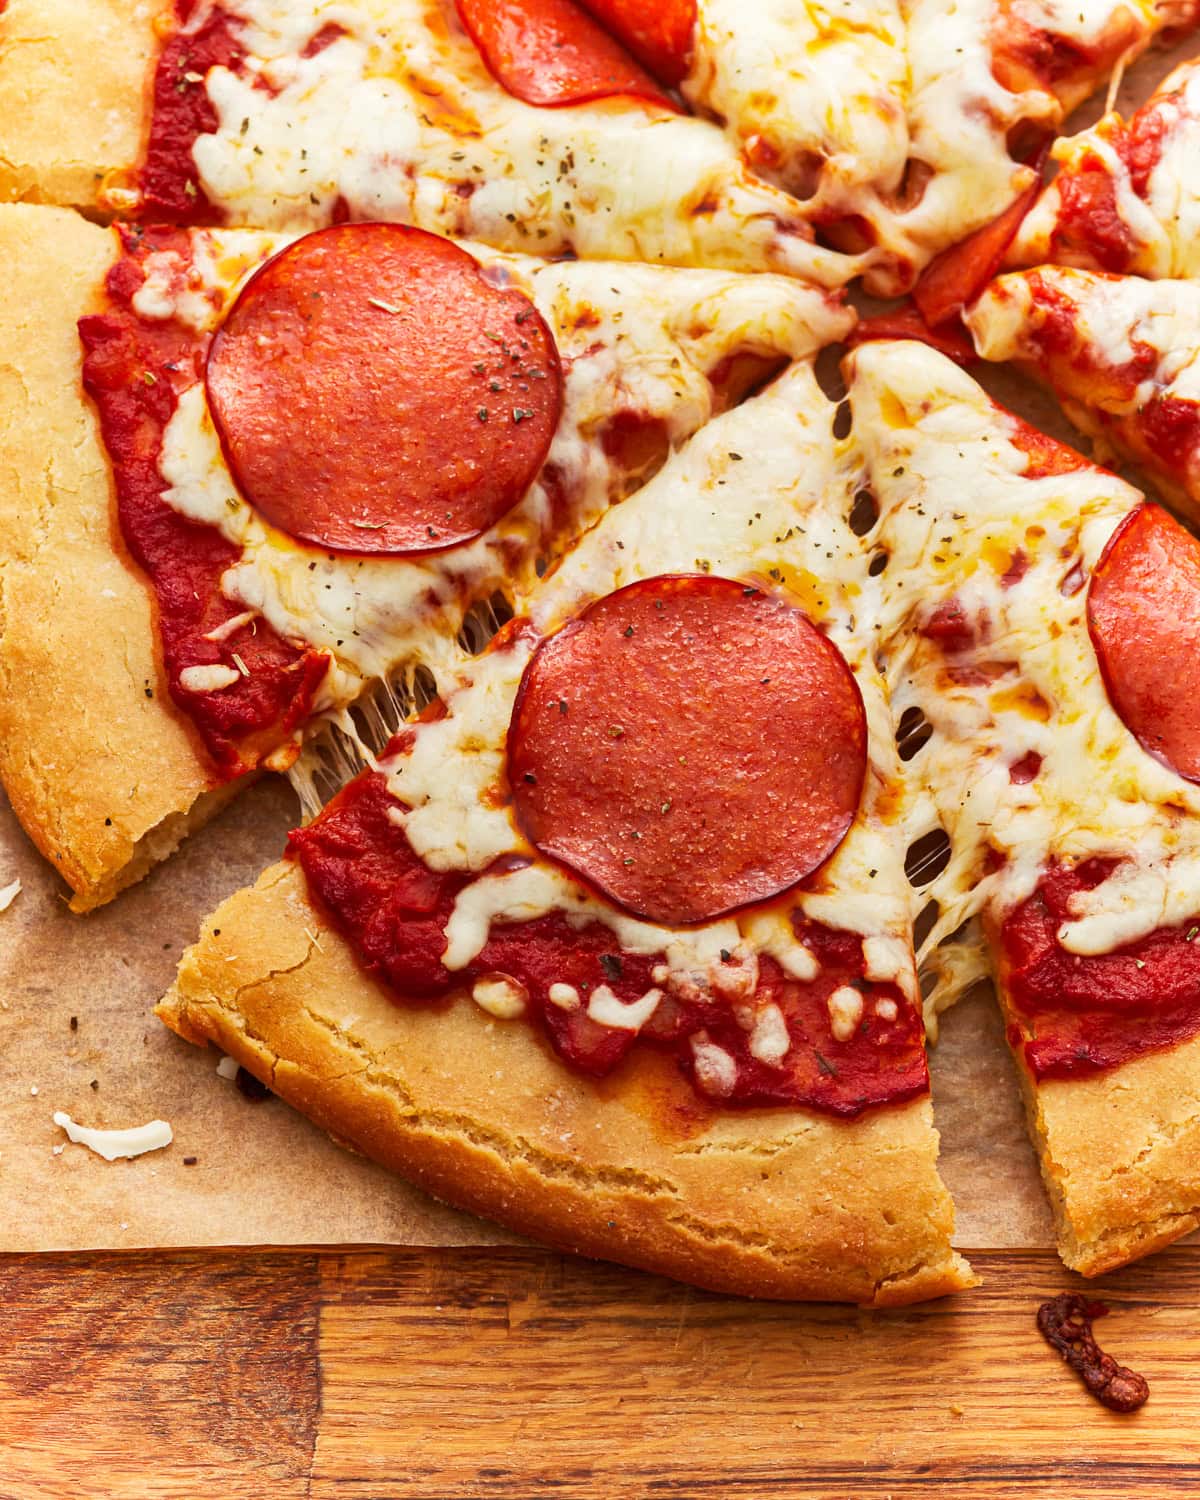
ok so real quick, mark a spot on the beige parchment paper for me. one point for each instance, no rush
(77, 1034)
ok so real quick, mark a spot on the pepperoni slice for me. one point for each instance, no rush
(551, 52)
(907, 323)
(657, 32)
(1144, 618)
(958, 275)
(375, 392)
(688, 745)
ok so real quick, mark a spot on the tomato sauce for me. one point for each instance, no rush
(134, 370)
(181, 112)
(378, 893)
(1072, 1015)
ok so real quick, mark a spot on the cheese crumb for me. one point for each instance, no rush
(228, 1068)
(886, 1009)
(716, 1071)
(769, 1040)
(111, 1144)
(500, 996)
(845, 1012)
(623, 1015)
(207, 679)
(565, 996)
(9, 894)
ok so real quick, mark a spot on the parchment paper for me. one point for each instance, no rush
(262, 1174)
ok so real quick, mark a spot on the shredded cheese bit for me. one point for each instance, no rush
(770, 1042)
(565, 996)
(232, 625)
(885, 1009)
(632, 1015)
(845, 1012)
(500, 996)
(209, 679)
(716, 1071)
(227, 1068)
(9, 894)
(114, 1144)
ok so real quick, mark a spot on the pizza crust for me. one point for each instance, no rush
(106, 777)
(771, 1203)
(1120, 1156)
(74, 80)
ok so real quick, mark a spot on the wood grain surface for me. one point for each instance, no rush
(514, 1374)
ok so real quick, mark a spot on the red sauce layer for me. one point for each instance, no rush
(1072, 1015)
(134, 371)
(182, 111)
(393, 910)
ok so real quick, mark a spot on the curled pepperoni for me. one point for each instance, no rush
(374, 392)
(688, 745)
(957, 276)
(551, 52)
(657, 32)
(1144, 618)
(1066, 1325)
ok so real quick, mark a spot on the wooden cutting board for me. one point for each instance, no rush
(505, 1373)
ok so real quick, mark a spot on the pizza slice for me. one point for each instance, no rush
(613, 943)
(527, 127)
(989, 84)
(1126, 197)
(1042, 620)
(1119, 352)
(266, 474)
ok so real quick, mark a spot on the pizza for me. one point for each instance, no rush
(687, 132)
(1119, 352)
(436, 401)
(1039, 618)
(579, 867)
(1126, 196)
(249, 627)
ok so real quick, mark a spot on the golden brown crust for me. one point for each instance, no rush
(1120, 1155)
(74, 80)
(769, 1203)
(104, 775)
(1119, 1152)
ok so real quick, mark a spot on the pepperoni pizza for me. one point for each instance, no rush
(1126, 197)
(1119, 352)
(681, 131)
(326, 452)
(641, 864)
(1044, 621)
(439, 398)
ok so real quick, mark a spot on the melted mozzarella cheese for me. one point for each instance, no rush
(1163, 226)
(634, 339)
(763, 492)
(961, 116)
(814, 93)
(398, 118)
(113, 1145)
(955, 511)
(1115, 324)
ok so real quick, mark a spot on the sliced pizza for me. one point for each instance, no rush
(285, 469)
(613, 943)
(1119, 352)
(1043, 620)
(989, 84)
(1126, 196)
(527, 126)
